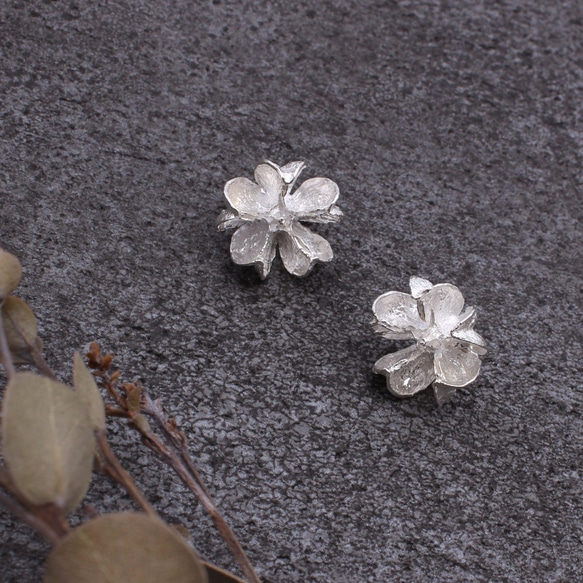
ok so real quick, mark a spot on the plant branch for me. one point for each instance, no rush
(173, 459)
(47, 520)
(54, 516)
(41, 363)
(110, 465)
(131, 399)
(173, 435)
(16, 509)
(112, 411)
(5, 351)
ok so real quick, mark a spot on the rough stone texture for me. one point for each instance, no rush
(455, 132)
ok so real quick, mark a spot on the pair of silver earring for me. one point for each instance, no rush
(268, 215)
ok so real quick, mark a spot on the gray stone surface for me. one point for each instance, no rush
(455, 132)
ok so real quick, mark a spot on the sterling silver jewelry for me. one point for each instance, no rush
(267, 216)
(447, 350)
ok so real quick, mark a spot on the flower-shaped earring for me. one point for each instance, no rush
(447, 349)
(269, 216)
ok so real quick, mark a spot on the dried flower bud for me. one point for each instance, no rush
(106, 362)
(94, 355)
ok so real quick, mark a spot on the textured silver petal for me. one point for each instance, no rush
(408, 371)
(393, 361)
(229, 220)
(473, 338)
(300, 248)
(442, 306)
(291, 171)
(467, 318)
(312, 197)
(248, 199)
(295, 261)
(332, 215)
(254, 244)
(464, 331)
(312, 244)
(456, 364)
(383, 330)
(419, 286)
(270, 181)
(398, 316)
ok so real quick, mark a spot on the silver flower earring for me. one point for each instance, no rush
(268, 215)
(447, 350)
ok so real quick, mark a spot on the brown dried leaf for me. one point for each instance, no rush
(88, 392)
(134, 394)
(47, 441)
(124, 547)
(216, 575)
(141, 423)
(10, 273)
(21, 329)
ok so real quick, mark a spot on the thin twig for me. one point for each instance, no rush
(112, 411)
(54, 516)
(152, 441)
(50, 516)
(38, 524)
(5, 351)
(41, 363)
(112, 467)
(176, 438)
(174, 453)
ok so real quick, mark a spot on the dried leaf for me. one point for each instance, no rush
(21, 330)
(10, 273)
(47, 441)
(134, 394)
(141, 423)
(124, 547)
(88, 392)
(216, 575)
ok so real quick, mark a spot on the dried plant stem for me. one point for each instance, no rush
(194, 483)
(54, 516)
(111, 466)
(29, 518)
(5, 351)
(176, 438)
(112, 411)
(130, 400)
(47, 520)
(41, 363)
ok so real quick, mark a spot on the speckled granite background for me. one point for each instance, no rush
(455, 132)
